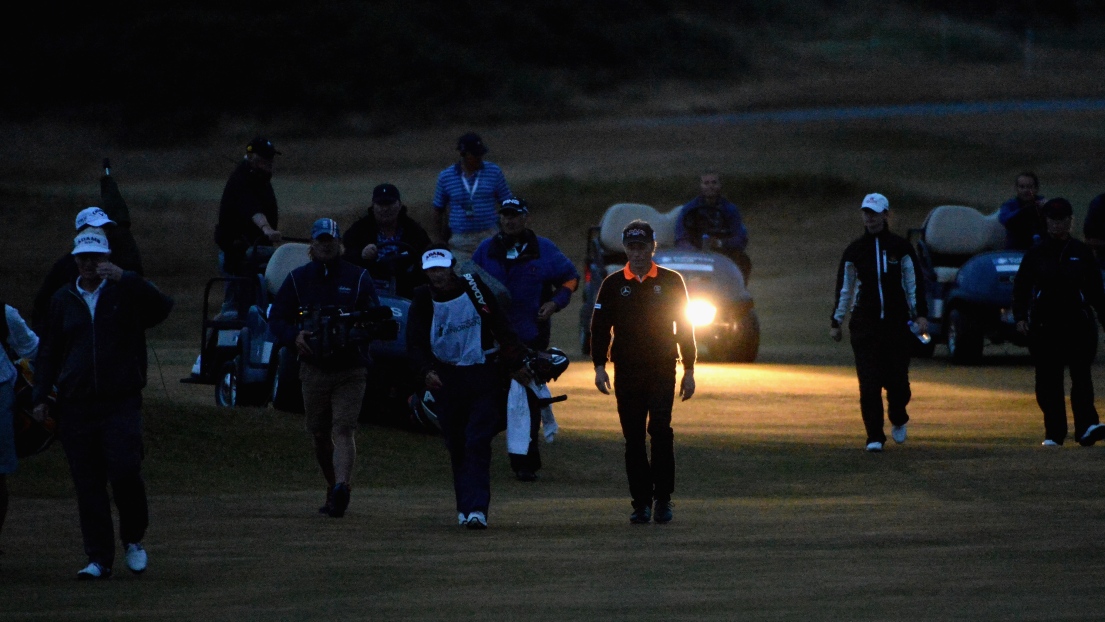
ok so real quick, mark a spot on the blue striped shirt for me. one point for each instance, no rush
(473, 202)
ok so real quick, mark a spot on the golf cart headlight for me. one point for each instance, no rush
(700, 312)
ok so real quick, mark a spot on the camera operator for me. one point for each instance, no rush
(333, 377)
(457, 335)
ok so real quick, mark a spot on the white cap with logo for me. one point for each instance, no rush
(437, 258)
(91, 240)
(875, 202)
(92, 217)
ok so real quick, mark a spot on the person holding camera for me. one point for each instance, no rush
(333, 375)
(461, 341)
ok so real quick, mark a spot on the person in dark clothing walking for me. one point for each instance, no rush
(334, 381)
(635, 311)
(388, 243)
(94, 351)
(1055, 294)
(878, 283)
(462, 345)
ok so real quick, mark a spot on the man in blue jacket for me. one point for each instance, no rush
(94, 350)
(712, 222)
(540, 280)
(333, 378)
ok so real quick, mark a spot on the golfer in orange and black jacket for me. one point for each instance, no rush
(640, 318)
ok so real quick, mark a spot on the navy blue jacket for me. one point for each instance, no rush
(101, 358)
(336, 284)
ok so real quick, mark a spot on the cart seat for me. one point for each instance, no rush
(285, 258)
(619, 215)
(955, 233)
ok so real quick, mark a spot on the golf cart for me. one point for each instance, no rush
(234, 356)
(720, 307)
(968, 281)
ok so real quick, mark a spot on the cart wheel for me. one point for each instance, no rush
(226, 389)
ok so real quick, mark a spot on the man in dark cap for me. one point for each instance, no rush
(467, 199)
(248, 215)
(388, 242)
(1055, 294)
(635, 311)
(333, 381)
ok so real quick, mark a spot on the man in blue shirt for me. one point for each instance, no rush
(469, 193)
(712, 222)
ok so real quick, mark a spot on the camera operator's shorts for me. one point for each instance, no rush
(331, 398)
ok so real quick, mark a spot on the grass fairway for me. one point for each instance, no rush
(779, 515)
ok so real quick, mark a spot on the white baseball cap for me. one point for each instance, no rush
(91, 240)
(92, 217)
(437, 258)
(875, 202)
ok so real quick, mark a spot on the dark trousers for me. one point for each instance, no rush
(644, 405)
(471, 415)
(103, 443)
(882, 362)
(1053, 351)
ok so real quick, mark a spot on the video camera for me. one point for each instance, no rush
(335, 330)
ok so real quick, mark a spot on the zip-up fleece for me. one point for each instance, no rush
(1057, 284)
(878, 280)
(105, 358)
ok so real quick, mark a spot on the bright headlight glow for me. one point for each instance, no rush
(700, 312)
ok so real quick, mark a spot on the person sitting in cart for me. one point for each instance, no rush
(713, 222)
(388, 243)
(1021, 216)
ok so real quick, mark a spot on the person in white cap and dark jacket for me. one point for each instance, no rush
(94, 351)
(1055, 294)
(880, 285)
(463, 345)
(333, 381)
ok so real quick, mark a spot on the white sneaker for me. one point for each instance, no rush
(93, 571)
(874, 446)
(477, 520)
(1049, 443)
(1094, 433)
(462, 519)
(898, 433)
(136, 558)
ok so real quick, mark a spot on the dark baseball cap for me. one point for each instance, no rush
(1057, 208)
(385, 194)
(638, 231)
(471, 143)
(514, 206)
(262, 147)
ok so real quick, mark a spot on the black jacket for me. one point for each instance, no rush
(247, 192)
(638, 317)
(878, 280)
(339, 284)
(105, 358)
(1057, 285)
(124, 253)
(365, 232)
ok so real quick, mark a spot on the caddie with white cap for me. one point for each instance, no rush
(880, 285)
(461, 341)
